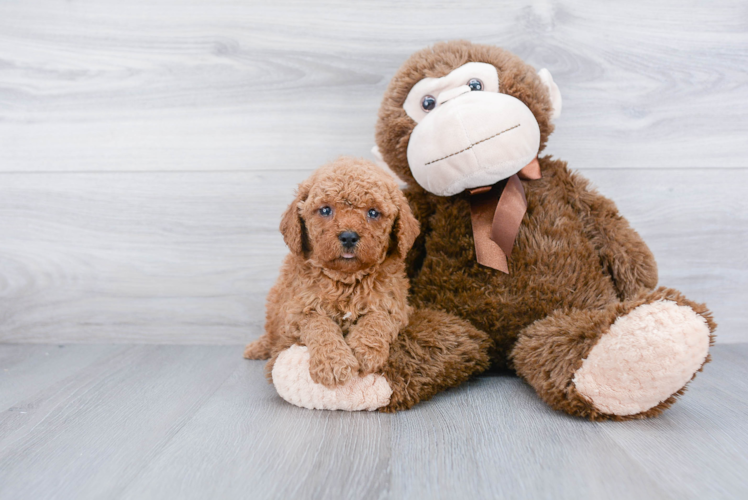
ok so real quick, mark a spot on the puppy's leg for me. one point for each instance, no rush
(260, 348)
(370, 340)
(331, 362)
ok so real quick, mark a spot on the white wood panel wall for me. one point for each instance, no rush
(148, 148)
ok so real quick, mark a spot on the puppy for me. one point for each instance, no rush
(342, 290)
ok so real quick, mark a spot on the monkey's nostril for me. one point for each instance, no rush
(348, 238)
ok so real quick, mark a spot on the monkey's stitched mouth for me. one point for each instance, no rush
(473, 145)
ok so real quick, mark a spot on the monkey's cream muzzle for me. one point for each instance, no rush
(472, 139)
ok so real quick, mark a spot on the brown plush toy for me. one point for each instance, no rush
(554, 282)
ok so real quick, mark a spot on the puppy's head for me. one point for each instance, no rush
(349, 216)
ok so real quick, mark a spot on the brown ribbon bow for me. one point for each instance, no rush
(496, 212)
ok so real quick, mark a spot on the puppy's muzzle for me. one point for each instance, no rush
(349, 239)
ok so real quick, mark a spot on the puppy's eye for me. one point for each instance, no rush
(373, 213)
(475, 84)
(325, 211)
(428, 103)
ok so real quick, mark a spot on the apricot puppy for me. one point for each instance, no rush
(342, 290)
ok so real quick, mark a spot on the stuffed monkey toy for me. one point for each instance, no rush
(549, 279)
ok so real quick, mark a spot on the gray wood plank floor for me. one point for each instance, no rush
(160, 422)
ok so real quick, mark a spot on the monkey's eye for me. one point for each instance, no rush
(475, 84)
(373, 213)
(325, 211)
(428, 103)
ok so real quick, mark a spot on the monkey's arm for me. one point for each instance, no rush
(422, 207)
(622, 251)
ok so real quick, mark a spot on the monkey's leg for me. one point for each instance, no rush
(435, 351)
(628, 360)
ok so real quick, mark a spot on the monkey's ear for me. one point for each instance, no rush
(553, 92)
(406, 228)
(292, 225)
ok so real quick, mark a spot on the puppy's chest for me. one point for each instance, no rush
(345, 312)
(347, 303)
(344, 304)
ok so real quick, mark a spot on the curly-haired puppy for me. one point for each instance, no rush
(342, 290)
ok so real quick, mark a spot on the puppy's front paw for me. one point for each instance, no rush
(371, 359)
(334, 368)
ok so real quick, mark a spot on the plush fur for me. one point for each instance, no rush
(550, 351)
(434, 352)
(576, 266)
(654, 350)
(347, 311)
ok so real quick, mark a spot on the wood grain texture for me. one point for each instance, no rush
(148, 148)
(721, 390)
(189, 257)
(90, 434)
(236, 85)
(28, 369)
(250, 443)
(475, 439)
(200, 422)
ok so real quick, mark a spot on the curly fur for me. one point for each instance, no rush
(347, 311)
(576, 265)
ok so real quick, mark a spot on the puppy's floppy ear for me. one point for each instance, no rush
(292, 225)
(405, 230)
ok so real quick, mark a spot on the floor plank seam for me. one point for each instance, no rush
(195, 409)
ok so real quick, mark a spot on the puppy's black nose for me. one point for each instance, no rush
(348, 239)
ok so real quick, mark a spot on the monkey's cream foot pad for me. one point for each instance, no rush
(294, 384)
(646, 357)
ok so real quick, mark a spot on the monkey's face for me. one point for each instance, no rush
(481, 121)
(468, 134)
